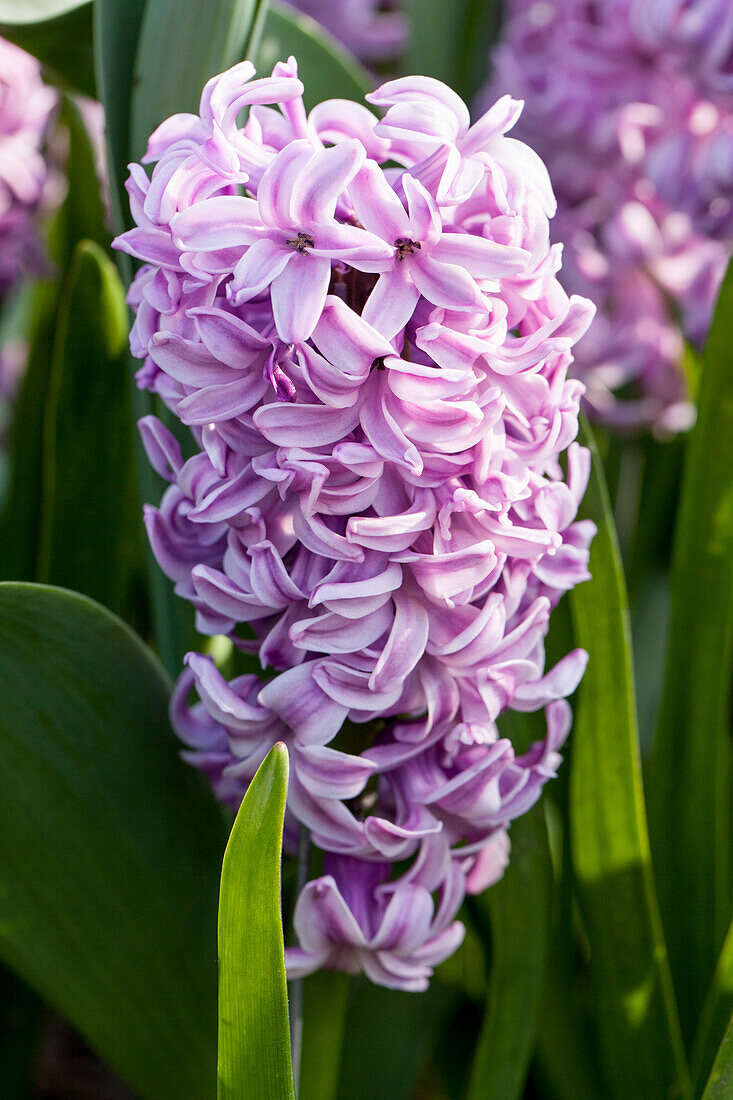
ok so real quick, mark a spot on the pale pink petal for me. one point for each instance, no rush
(288, 425)
(323, 918)
(280, 181)
(392, 302)
(260, 264)
(222, 222)
(328, 773)
(231, 340)
(321, 182)
(483, 259)
(425, 220)
(362, 250)
(446, 285)
(377, 206)
(405, 645)
(298, 293)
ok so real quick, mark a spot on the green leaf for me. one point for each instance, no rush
(324, 1017)
(691, 767)
(327, 70)
(35, 11)
(63, 45)
(388, 1037)
(90, 538)
(116, 30)
(82, 216)
(715, 1016)
(21, 1017)
(518, 910)
(566, 1061)
(20, 519)
(451, 40)
(636, 1016)
(254, 1036)
(720, 1081)
(180, 47)
(110, 846)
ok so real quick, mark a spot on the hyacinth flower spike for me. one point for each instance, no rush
(373, 364)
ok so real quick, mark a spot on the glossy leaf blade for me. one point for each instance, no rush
(254, 1036)
(636, 1016)
(35, 11)
(720, 1082)
(90, 536)
(327, 70)
(451, 40)
(388, 1038)
(116, 31)
(21, 1018)
(519, 911)
(715, 1016)
(691, 770)
(63, 45)
(20, 518)
(324, 1018)
(110, 846)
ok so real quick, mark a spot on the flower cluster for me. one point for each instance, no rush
(25, 108)
(373, 363)
(374, 31)
(630, 103)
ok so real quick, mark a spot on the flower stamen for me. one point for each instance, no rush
(302, 243)
(406, 247)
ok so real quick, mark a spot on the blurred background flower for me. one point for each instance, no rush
(26, 104)
(374, 31)
(630, 103)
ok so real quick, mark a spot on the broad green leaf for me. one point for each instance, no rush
(35, 11)
(636, 1016)
(82, 216)
(715, 1016)
(432, 49)
(90, 538)
(451, 40)
(720, 1081)
(690, 808)
(116, 31)
(180, 47)
(566, 1061)
(20, 518)
(254, 1036)
(324, 1017)
(63, 45)
(388, 1038)
(658, 500)
(21, 1017)
(480, 30)
(327, 70)
(110, 846)
(518, 910)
